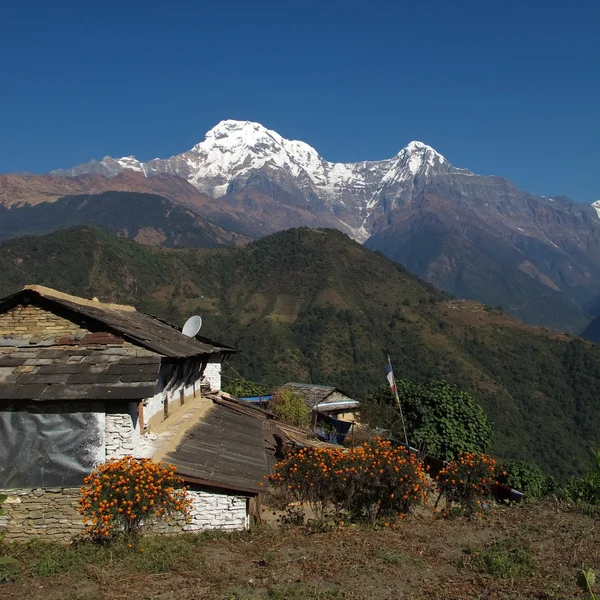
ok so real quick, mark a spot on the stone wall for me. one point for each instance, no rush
(122, 434)
(213, 374)
(50, 514)
(27, 320)
(217, 511)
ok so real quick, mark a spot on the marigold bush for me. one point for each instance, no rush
(468, 481)
(123, 495)
(371, 481)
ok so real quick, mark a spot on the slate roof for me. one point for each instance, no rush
(140, 328)
(313, 394)
(84, 372)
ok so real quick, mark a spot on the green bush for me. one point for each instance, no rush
(241, 388)
(527, 478)
(586, 488)
(290, 407)
(441, 420)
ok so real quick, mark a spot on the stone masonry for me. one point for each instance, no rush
(28, 320)
(51, 514)
(217, 511)
(212, 374)
(121, 437)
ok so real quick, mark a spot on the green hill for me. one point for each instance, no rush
(313, 305)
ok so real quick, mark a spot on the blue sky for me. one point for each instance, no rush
(505, 88)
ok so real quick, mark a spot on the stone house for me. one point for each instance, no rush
(82, 381)
(333, 411)
(326, 399)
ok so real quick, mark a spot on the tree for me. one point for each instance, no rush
(290, 407)
(240, 388)
(441, 420)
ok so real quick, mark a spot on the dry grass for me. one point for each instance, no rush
(530, 552)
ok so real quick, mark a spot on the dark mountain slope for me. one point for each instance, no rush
(147, 218)
(313, 305)
(481, 238)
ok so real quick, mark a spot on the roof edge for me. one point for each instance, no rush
(52, 293)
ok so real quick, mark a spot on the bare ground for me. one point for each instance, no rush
(426, 557)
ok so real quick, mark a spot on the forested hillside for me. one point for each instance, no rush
(313, 305)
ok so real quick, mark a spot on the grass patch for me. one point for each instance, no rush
(152, 554)
(295, 591)
(393, 556)
(505, 559)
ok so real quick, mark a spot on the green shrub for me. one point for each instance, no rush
(241, 388)
(441, 420)
(586, 488)
(527, 478)
(290, 407)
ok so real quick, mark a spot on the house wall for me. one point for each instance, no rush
(23, 320)
(213, 373)
(212, 510)
(46, 513)
(122, 431)
(52, 514)
(336, 397)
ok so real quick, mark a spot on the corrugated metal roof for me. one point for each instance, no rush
(226, 449)
(235, 446)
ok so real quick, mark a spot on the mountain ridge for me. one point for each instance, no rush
(313, 305)
(476, 236)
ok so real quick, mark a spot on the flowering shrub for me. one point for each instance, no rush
(368, 482)
(468, 481)
(123, 495)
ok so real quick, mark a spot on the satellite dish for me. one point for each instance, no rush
(192, 326)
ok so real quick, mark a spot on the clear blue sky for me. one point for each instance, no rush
(507, 88)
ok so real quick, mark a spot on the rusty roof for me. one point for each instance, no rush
(140, 328)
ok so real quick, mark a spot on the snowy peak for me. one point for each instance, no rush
(232, 152)
(420, 156)
(233, 148)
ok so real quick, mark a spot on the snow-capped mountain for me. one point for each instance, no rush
(476, 236)
(234, 152)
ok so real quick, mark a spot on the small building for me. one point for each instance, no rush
(326, 399)
(333, 410)
(80, 382)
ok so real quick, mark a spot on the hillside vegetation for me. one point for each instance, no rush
(149, 219)
(312, 305)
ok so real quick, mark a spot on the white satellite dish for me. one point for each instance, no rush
(192, 326)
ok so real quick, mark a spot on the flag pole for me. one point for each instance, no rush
(395, 390)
